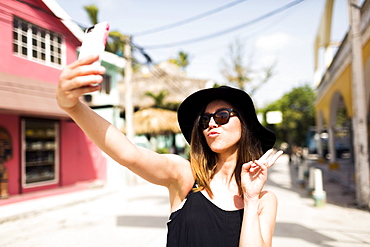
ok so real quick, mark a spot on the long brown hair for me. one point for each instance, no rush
(203, 160)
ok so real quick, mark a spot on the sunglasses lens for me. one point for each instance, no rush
(222, 117)
(204, 121)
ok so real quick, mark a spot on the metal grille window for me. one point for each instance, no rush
(36, 43)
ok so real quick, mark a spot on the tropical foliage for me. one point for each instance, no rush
(298, 111)
(116, 40)
(182, 60)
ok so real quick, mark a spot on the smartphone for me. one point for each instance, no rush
(94, 41)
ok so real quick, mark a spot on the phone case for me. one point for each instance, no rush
(94, 41)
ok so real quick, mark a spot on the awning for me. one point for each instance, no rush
(155, 121)
(26, 96)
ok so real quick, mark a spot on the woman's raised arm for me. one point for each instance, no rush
(82, 77)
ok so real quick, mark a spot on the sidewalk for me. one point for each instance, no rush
(300, 223)
(144, 211)
(31, 204)
(340, 175)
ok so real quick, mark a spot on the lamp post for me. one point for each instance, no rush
(129, 108)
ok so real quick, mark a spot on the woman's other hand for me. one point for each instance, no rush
(254, 174)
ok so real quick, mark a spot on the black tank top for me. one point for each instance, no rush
(200, 223)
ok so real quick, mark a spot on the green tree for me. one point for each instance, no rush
(182, 60)
(115, 43)
(92, 12)
(116, 40)
(158, 98)
(298, 115)
(236, 70)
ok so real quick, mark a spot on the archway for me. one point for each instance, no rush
(340, 140)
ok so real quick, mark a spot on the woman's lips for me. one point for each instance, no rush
(213, 134)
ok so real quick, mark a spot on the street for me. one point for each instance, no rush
(111, 220)
(136, 216)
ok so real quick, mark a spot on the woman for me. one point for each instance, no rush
(216, 197)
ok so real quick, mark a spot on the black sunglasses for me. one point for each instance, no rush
(221, 116)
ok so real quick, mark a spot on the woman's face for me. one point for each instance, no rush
(222, 138)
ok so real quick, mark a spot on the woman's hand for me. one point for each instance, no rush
(254, 174)
(76, 79)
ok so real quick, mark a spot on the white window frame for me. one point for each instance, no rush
(54, 181)
(49, 48)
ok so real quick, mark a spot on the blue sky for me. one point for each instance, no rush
(285, 38)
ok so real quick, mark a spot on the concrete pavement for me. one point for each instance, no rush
(300, 223)
(136, 216)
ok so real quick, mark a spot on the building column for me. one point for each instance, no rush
(359, 108)
(332, 150)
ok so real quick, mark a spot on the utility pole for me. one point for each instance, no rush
(360, 129)
(129, 108)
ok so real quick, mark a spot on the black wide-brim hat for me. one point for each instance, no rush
(190, 108)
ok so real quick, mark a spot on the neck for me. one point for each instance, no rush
(225, 167)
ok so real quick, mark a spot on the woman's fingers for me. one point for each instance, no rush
(84, 61)
(78, 78)
(266, 155)
(84, 70)
(81, 76)
(247, 166)
(83, 90)
(82, 81)
(273, 159)
(270, 159)
(257, 164)
(253, 166)
(81, 73)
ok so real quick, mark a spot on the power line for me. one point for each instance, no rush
(150, 60)
(264, 28)
(274, 12)
(188, 20)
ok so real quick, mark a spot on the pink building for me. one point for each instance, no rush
(48, 148)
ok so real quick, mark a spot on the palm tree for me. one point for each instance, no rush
(182, 60)
(165, 109)
(158, 98)
(92, 11)
(116, 40)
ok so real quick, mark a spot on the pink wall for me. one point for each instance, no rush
(12, 124)
(81, 160)
(23, 66)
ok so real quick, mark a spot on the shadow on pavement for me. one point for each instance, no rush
(282, 229)
(160, 200)
(142, 221)
(293, 230)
